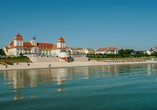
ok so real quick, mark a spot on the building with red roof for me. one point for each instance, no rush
(33, 48)
(110, 50)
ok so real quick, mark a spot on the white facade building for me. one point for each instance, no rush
(110, 50)
(149, 52)
(33, 48)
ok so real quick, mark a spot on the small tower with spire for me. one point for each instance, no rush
(18, 40)
(33, 41)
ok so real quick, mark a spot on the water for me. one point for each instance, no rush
(98, 87)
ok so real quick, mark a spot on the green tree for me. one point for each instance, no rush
(21, 54)
(2, 52)
(146, 55)
(127, 51)
(121, 52)
(155, 54)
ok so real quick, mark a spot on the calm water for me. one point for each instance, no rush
(99, 87)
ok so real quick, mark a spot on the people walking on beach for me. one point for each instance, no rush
(49, 65)
(6, 66)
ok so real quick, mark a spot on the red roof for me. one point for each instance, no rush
(89, 48)
(94, 51)
(107, 49)
(28, 45)
(18, 37)
(101, 49)
(80, 48)
(45, 45)
(6, 48)
(61, 40)
(112, 48)
(11, 44)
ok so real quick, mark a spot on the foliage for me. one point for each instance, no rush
(154, 54)
(2, 52)
(21, 54)
(126, 58)
(15, 59)
(122, 54)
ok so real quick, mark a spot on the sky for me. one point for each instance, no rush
(125, 24)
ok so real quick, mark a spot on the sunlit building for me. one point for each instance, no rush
(33, 48)
(36, 49)
(110, 50)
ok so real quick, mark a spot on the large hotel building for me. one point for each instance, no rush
(35, 49)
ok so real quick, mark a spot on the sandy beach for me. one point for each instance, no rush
(40, 65)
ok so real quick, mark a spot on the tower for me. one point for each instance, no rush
(18, 40)
(33, 41)
(61, 43)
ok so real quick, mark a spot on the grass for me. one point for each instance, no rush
(126, 58)
(15, 60)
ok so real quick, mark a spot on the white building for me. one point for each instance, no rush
(110, 50)
(149, 52)
(33, 48)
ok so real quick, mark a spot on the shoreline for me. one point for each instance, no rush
(44, 65)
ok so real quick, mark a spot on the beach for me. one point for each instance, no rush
(41, 65)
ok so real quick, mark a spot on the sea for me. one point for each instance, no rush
(110, 87)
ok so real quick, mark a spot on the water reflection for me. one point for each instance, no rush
(20, 80)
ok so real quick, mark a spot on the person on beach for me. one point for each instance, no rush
(6, 66)
(108, 63)
(49, 65)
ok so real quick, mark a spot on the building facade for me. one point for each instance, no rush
(33, 48)
(110, 50)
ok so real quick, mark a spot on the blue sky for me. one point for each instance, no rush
(127, 24)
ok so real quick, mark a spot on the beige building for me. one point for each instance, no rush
(33, 48)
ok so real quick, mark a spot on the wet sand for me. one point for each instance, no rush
(41, 65)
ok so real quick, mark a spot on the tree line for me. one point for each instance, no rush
(121, 54)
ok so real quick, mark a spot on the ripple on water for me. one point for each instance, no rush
(95, 87)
